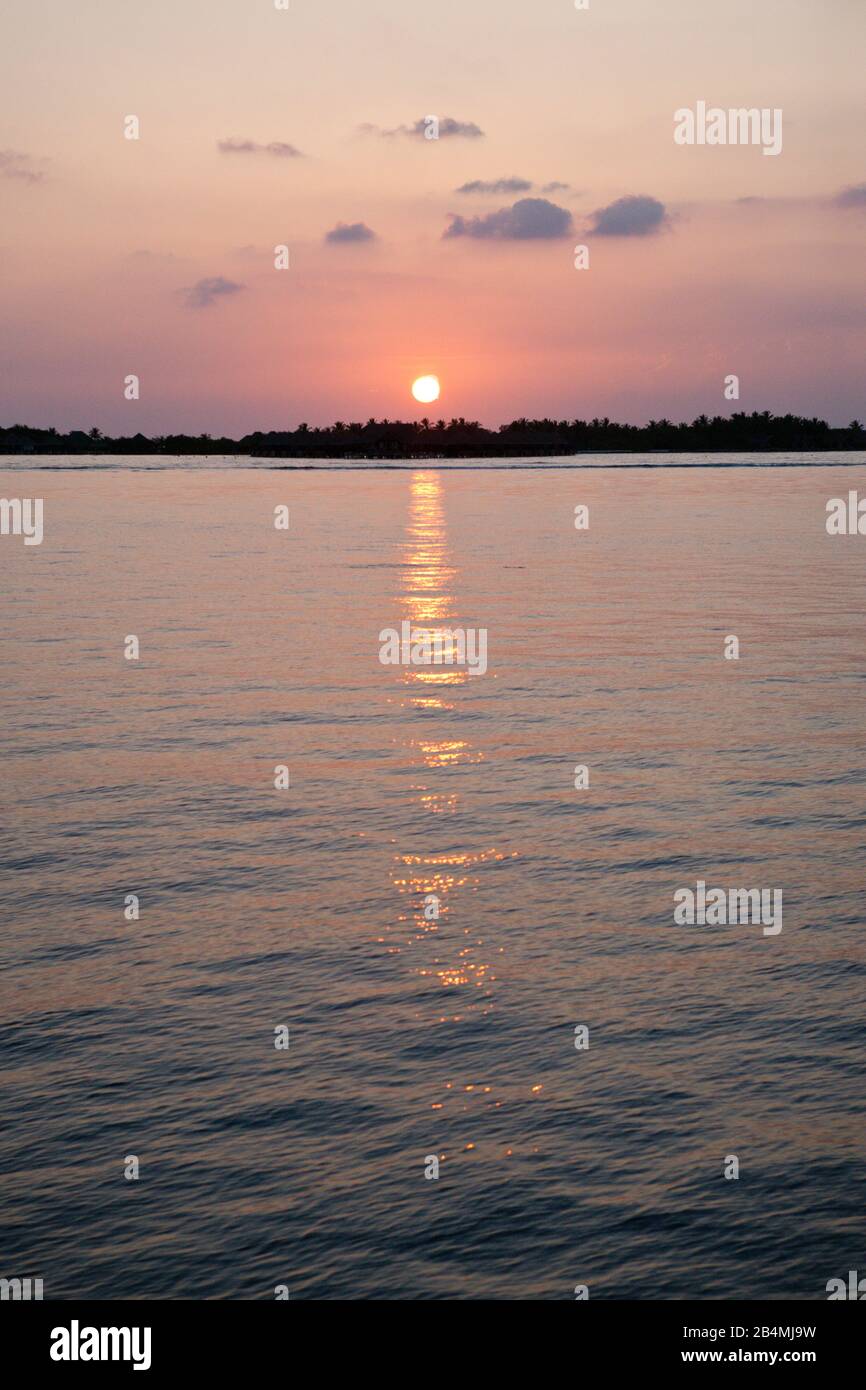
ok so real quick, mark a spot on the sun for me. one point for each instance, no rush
(426, 389)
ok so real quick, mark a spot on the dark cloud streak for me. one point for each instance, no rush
(208, 291)
(530, 219)
(448, 129)
(14, 165)
(633, 215)
(502, 186)
(278, 149)
(853, 197)
(348, 233)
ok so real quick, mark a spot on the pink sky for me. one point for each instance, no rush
(102, 238)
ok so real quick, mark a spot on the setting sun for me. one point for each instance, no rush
(426, 389)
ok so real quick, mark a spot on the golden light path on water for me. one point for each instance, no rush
(460, 959)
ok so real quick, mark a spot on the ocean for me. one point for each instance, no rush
(472, 958)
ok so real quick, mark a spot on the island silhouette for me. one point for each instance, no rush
(425, 439)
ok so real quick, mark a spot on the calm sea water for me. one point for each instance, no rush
(305, 908)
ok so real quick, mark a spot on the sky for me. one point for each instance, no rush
(261, 127)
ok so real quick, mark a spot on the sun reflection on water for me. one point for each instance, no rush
(446, 948)
(427, 583)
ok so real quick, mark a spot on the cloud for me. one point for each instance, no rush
(530, 219)
(854, 197)
(556, 187)
(448, 127)
(206, 292)
(19, 166)
(278, 149)
(495, 186)
(634, 215)
(346, 232)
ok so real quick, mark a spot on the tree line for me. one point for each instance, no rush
(459, 438)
